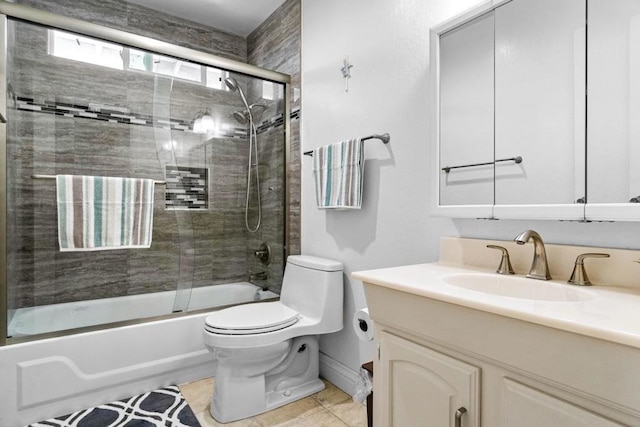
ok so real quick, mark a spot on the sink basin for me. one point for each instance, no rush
(518, 287)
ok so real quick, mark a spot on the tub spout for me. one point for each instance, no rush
(262, 275)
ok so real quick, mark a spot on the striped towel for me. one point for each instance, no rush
(338, 171)
(98, 213)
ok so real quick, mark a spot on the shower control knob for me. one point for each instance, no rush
(263, 254)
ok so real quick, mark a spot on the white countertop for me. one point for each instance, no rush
(611, 314)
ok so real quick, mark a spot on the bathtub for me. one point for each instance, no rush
(59, 317)
(55, 376)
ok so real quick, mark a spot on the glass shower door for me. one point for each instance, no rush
(77, 107)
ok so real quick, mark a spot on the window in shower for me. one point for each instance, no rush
(85, 49)
(72, 113)
(164, 65)
(97, 52)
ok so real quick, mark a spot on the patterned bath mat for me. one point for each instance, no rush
(165, 407)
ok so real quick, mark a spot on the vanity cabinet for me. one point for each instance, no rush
(435, 356)
(527, 407)
(424, 387)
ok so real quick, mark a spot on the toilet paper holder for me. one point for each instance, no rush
(362, 325)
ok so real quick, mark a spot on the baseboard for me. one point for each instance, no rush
(338, 374)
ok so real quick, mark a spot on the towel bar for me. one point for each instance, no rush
(37, 176)
(517, 159)
(385, 138)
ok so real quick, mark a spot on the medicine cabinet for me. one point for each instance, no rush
(533, 110)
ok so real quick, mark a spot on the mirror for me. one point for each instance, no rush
(536, 87)
(466, 87)
(540, 102)
(613, 128)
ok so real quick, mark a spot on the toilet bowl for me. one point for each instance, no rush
(268, 352)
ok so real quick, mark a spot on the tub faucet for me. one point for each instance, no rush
(539, 267)
(261, 275)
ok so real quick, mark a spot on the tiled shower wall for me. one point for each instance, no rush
(65, 144)
(275, 45)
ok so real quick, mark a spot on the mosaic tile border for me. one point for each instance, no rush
(123, 116)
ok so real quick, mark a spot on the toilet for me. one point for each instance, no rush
(268, 352)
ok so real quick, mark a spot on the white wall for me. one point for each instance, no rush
(387, 42)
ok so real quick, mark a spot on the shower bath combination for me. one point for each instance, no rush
(244, 117)
(58, 310)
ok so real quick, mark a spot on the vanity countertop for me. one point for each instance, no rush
(608, 313)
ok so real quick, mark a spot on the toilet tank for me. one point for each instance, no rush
(314, 287)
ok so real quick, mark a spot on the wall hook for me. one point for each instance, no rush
(346, 72)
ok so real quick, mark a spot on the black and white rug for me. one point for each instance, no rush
(165, 407)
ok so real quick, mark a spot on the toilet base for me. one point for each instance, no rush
(281, 398)
(295, 376)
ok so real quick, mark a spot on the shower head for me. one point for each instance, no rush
(233, 86)
(243, 117)
(231, 83)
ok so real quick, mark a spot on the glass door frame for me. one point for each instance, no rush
(35, 16)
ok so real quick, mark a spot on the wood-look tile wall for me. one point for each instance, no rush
(275, 45)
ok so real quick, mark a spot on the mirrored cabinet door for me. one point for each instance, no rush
(466, 171)
(613, 123)
(540, 109)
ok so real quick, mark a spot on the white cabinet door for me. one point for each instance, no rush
(416, 386)
(524, 406)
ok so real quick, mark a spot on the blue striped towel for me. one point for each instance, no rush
(99, 213)
(338, 171)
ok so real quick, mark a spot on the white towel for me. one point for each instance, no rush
(100, 213)
(338, 172)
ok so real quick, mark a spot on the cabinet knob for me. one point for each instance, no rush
(459, 413)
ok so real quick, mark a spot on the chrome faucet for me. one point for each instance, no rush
(539, 267)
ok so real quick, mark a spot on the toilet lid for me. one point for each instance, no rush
(251, 319)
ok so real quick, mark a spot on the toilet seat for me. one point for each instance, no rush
(251, 319)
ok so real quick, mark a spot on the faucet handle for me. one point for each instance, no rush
(505, 263)
(579, 275)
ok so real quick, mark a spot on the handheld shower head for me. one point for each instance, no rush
(231, 83)
(233, 86)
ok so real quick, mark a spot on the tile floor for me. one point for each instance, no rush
(331, 408)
